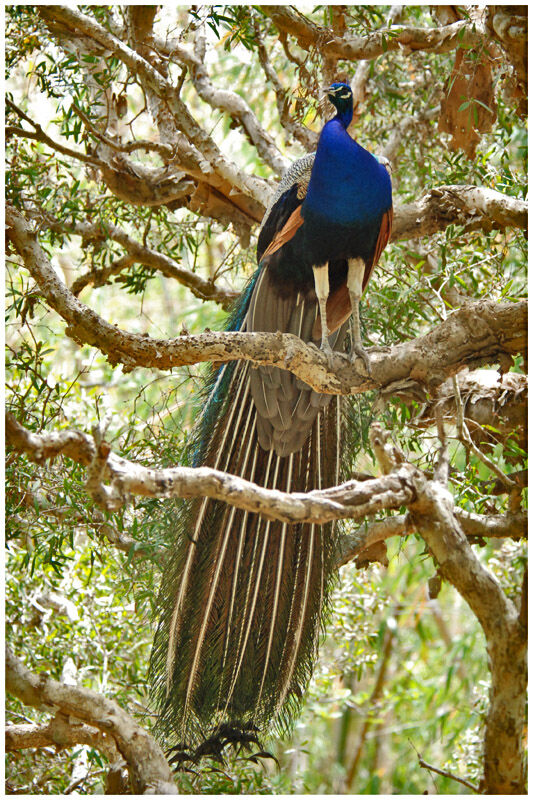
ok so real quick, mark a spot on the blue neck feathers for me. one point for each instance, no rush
(348, 185)
(344, 116)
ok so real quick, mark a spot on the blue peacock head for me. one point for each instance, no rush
(340, 94)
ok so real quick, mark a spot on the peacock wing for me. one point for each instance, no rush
(288, 197)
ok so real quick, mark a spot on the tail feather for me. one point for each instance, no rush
(242, 597)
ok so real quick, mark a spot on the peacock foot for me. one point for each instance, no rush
(326, 347)
(358, 351)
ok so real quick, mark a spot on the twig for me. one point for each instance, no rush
(40, 136)
(446, 774)
(443, 463)
(164, 150)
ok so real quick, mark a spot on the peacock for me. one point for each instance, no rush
(243, 598)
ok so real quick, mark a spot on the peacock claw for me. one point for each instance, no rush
(326, 348)
(359, 352)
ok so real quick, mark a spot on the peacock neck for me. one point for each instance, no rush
(344, 117)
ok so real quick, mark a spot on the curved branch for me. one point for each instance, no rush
(216, 167)
(148, 768)
(432, 513)
(477, 333)
(230, 102)
(464, 33)
(131, 181)
(354, 499)
(140, 254)
(306, 137)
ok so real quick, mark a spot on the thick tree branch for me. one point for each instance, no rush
(60, 732)
(494, 405)
(432, 514)
(396, 37)
(475, 207)
(149, 770)
(500, 526)
(476, 333)
(354, 499)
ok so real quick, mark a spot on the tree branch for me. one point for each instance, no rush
(229, 102)
(309, 139)
(308, 34)
(40, 136)
(149, 770)
(475, 207)
(131, 181)
(140, 254)
(445, 774)
(477, 333)
(354, 499)
(216, 168)
(60, 732)
(494, 405)
(433, 515)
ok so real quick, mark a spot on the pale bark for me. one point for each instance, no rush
(432, 514)
(149, 771)
(396, 37)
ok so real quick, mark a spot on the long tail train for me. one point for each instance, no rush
(242, 597)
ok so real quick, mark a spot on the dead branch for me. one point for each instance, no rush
(445, 774)
(149, 771)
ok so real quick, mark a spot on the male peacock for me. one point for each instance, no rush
(242, 597)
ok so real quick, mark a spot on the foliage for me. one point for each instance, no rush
(434, 692)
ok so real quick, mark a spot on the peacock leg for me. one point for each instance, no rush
(322, 292)
(356, 273)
